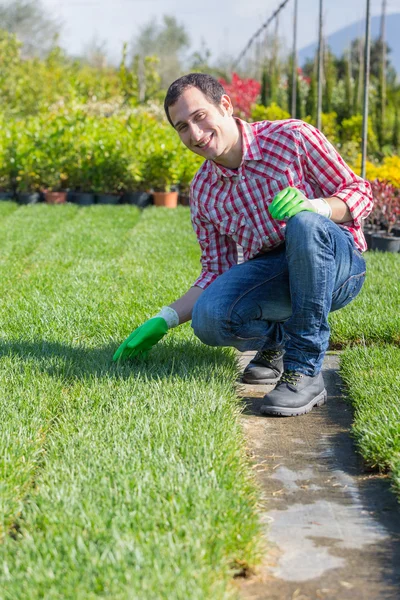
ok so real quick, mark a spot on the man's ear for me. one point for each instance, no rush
(226, 104)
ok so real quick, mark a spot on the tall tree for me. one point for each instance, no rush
(265, 87)
(311, 100)
(330, 80)
(29, 21)
(167, 41)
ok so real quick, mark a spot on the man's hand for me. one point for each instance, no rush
(142, 339)
(291, 201)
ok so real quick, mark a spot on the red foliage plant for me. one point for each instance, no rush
(243, 93)
(386, 211)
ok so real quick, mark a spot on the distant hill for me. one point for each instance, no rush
(340, 40)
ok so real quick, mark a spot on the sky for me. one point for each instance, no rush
(224, 26)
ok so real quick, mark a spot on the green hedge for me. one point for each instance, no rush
(71, 149)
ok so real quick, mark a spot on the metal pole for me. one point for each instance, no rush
(320, 70)
(366, 88)
(294, 58)
(383, 65)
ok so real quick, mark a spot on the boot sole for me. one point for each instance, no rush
(282, 411)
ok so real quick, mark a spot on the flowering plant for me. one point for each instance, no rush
(243, 93)
(386, 211)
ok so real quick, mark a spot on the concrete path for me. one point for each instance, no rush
(332, 528)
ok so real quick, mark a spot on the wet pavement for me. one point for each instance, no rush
(332, 527)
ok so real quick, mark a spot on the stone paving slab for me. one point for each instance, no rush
(332, 527)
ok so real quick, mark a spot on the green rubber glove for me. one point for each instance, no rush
(142, 339)
(288, 203)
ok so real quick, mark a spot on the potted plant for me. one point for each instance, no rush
(189, 164)
(110, 165)
(18, 175)
(80, 177)
(6, 186)
(385, 214)
(54, 153)
(134, 187)
(161, 172)
(80, 164)
(54, 184)
(24, 173)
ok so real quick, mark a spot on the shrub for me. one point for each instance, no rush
(273, 112)
(351, 131)
(386, 211)
(243, 93)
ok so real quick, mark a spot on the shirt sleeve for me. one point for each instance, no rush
(218, 252)
(326, 169)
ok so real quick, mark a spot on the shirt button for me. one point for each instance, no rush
(243, 177)
(232, 229)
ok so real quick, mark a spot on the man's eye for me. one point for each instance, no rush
(201, 116)
(182, 128)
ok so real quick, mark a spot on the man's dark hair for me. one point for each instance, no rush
(207, 84)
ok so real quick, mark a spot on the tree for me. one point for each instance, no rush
(396, 130)
(330, 80)
(312, 98)
(141, 81)
(199, 61)
(265, 99)
(168, 42)
(356, 59)
(95, 53)
(28, 20)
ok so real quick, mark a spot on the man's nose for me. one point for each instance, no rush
(195, 132)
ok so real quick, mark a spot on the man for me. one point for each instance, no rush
(281, 192)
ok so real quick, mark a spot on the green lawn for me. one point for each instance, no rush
(118, 481)
(374, 316)
(131, 480)
(369, 330)
(372, 376)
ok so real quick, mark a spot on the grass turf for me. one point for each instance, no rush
(119, 481)
(369, 330)
(372, 377)
(374, 316)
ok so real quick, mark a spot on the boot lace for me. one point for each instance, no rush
(292, 377)
(268, 355)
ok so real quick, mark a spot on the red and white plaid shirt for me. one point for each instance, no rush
(229, 207)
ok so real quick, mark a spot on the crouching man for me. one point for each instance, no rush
(281, 192)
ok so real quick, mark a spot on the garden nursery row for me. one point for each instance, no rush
(129, 157)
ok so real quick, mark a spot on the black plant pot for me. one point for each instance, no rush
(107, 199)
(140, 199)
(29, 197)
(396, 231)
(184, 199)
(385, 243)
(81, 198)
(6, 196)
(368, 237)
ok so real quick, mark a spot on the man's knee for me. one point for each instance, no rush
(305, 227)
(208, 318)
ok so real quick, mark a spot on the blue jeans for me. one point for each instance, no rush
(281, 299)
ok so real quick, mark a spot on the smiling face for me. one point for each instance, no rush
(207, 129)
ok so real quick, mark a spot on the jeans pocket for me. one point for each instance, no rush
(348, 291)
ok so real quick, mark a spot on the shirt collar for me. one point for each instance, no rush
(250, 151)
(251, 147)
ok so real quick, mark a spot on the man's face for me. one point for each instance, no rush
(206, 129)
